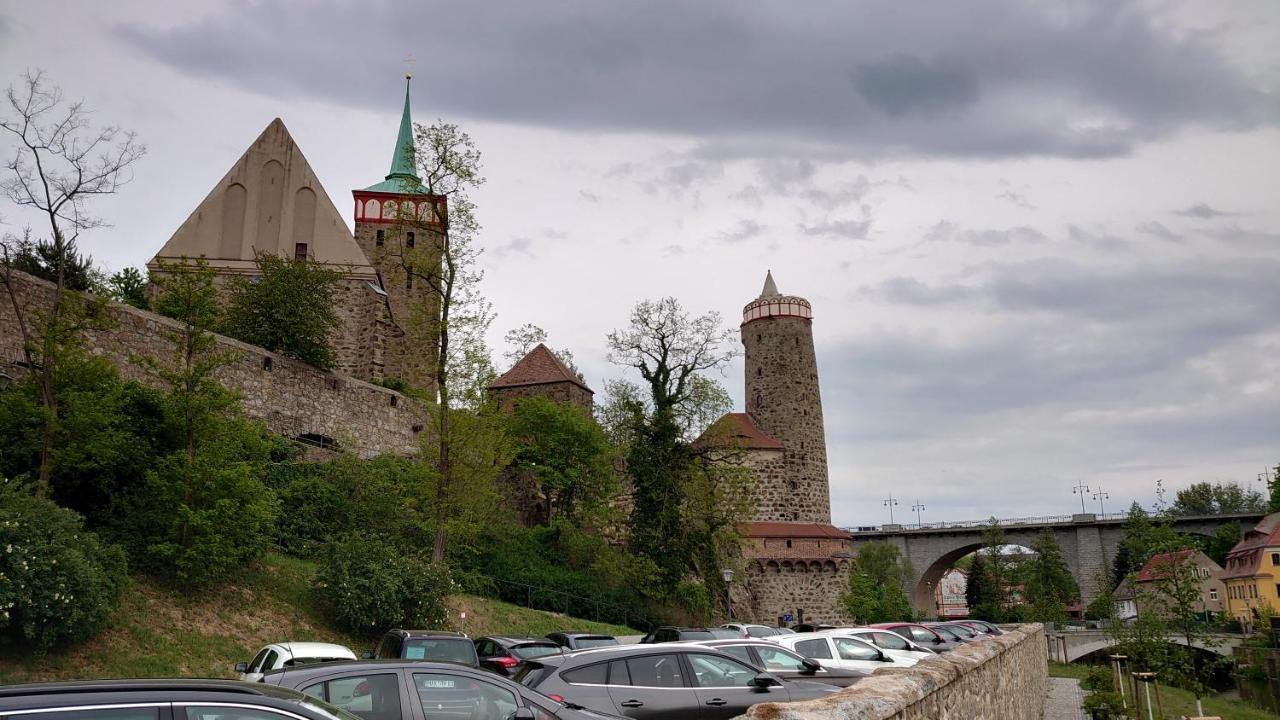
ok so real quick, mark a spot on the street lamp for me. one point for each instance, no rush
(1080, 490)
(727, 575)
(918, 507)
(1100, 496)
(889, 504)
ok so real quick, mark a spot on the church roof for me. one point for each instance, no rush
(270, 201)
(790, 530)
(741, 428)
(403, 177)
(539, 366)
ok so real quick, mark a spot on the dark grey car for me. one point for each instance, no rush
(668, 681)
(160, 700)
(400, 690)
(786, 664)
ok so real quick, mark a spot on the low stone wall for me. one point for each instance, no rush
(1000, 678)
(292, 398)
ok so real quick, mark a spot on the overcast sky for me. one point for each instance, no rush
(1041, 239)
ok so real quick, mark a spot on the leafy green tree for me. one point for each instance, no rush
(60, 164)
(41, 258)
(1047, 581)
(998, 574)
(875, 592)
(129, 287)
(669, 349)
(979, 595)
(1217, 545)
(1203, 498)
(565, 453)
(1273, 488)
(1135, 544)
(525, 338)
(289, 308)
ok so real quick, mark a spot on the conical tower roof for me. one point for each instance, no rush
(403, 177)
(770, 289)
(270, 201)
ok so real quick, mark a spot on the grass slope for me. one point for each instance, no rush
(156, 633)
(1176, 702)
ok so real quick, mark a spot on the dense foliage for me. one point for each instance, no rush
(565, 456)
(875, 592)
(368, 585)
(1204, 498)
(58, 582)
(1047, 581)
(289, 308)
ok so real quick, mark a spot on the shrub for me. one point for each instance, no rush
(367, 585)
(58, 583)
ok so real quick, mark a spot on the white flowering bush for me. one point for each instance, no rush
(58, 583)
(368, 585)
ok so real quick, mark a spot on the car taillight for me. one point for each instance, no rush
(557, 698)
(507, 661)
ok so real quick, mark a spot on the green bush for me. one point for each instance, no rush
(367, 585)
(58, 583)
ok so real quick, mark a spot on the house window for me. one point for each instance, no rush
(381, 238)
(1275, 559)
(409, 239)
(299, 251)
(1213, 593)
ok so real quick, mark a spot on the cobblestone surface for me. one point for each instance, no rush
(1062, 701)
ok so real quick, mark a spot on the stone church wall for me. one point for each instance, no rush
(292, 398)
(1002, 677)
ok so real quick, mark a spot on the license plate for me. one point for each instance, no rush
(437, 683)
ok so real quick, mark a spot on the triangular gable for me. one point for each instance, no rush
(270, 200)
(539, 366)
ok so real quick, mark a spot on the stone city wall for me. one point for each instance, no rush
(1001, 678)
(806, 589)
(292, 398)
(561, 392)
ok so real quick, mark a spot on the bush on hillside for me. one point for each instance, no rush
(58, 583)
(367, 585)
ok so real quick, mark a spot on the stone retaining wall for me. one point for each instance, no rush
(292, 398)
(1000, 678)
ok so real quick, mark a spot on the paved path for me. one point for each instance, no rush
(1063, 700)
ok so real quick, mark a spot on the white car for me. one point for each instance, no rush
(752, 631)
(838, 651)
(279, 655)
(893, 644)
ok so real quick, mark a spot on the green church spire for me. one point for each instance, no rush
(403, 177)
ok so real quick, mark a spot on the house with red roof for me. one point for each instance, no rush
(1252, 573)
(541, 373)
(1143, 591)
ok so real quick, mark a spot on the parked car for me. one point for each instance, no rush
(951, 634)
(581, 641)
(784, 663)
(749, 630)
(288, 654)
(662, 682)
(423, 690)
(919, 634)
(812, 627)
(785, 631)
(669, 633)
(893, 644)
(982, 626)
(438, 645)
(502, 653)
(838, 651)
(156, 699)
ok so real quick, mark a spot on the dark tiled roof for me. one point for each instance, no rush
(739, 427)
(791, 530)
(1246, 557)
(539, 367)
(1159, 565)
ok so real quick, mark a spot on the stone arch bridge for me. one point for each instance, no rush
(1071, 645)
(1088, 541)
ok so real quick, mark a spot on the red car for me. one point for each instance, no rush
(920, 634)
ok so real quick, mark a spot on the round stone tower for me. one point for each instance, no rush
(784, 401)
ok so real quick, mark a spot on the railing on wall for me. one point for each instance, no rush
(1003, 522)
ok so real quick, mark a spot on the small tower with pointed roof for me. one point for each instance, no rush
(784, 402)
(541, 373)
(395, 219)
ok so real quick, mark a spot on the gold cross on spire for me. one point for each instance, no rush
(408, 67)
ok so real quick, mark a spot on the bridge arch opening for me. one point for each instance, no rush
(924, 596)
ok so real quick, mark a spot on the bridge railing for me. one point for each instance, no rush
(1003, 522)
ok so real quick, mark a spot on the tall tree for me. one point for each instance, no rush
(565, 453)
(1047, 580)
(524, 338)
(669, 348)
(1204, 498)
(875, 592)
(130, 287)
(60, 166)
(289, 308)
(999, 570)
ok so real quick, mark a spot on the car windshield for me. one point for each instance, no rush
(944, 632)
(718, 634)
(761, 631)
(531, 651)
(591, 642)
(459, 650)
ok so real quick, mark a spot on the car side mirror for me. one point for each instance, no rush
(242, 667)
(763, 680)
(811, 665)
(366, 655)
(523, 713)
(885, 658)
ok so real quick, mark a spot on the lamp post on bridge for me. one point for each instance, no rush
(918, 507)
(1081, 490)
(889, 504)
(1100, 496)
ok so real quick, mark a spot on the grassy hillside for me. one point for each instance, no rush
(157, 633)
(1176, 702)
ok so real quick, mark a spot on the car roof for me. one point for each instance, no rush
(428, 633)
(315, 649)
(580, 635)
(276, 677)
(128, 685)
(512, 639)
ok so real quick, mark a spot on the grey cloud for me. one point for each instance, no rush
(750, 80)
(1203, 211)
(1157, 229)
(516, 246)
(986, 237)
(745, 230)
(1251, 238)
(1099, 239)
(1017, 199)
(846, 229)
(589, 196)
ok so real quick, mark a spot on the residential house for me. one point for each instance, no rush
(1141, 593)
(1252, 573)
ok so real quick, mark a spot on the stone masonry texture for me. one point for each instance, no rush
(999, 678)
(290, 397)
(782, 396)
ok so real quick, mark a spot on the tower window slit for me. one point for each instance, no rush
(381, 238)
(408, 241)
